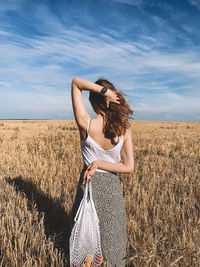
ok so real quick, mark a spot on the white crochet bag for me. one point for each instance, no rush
(85, 244)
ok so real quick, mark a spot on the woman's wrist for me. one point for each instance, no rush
(107, 92)
(97, 163)
(103, 91)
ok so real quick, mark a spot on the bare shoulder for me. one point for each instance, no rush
(128, 134)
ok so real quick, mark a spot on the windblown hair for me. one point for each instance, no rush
(116, 116)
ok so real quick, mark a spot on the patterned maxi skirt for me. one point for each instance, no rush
(109, 204)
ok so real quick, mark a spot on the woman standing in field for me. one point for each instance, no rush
(106, 146)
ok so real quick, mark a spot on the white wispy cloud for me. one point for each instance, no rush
(195, 3)
(6, 5)
(169, 105)
(137, 3)
(88, 51)
(113, 58)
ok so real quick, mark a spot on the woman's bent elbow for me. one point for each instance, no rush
(75, 79)
(130, 170)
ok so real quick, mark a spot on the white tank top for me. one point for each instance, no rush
(92, 151)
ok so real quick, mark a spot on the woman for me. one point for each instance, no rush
(106, 146)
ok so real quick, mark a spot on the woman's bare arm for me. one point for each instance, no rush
(80, 112)
(127, 162)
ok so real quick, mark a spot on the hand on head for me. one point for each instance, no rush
(111, 96)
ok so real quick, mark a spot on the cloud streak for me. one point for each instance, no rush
(195, 3)
(137, 3)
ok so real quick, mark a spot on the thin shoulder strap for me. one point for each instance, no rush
(88, 125)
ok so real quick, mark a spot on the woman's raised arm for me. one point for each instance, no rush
(80, 113)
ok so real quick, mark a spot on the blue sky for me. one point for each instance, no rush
(149, 49)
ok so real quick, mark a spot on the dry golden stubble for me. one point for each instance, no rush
(40, 164)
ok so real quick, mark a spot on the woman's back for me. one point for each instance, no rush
(95, 131)
(97, 147)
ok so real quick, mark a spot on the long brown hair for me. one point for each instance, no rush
(116, 116)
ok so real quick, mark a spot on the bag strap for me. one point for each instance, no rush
(88, 188)
(91, 199)
(82, 202)
(88, 125)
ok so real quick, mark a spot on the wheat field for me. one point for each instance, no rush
(40, 164)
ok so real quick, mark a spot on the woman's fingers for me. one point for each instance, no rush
(107, 103)
(86, 176)
(117, 101)
(112, 97)
(89, 179)
(89, 172)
